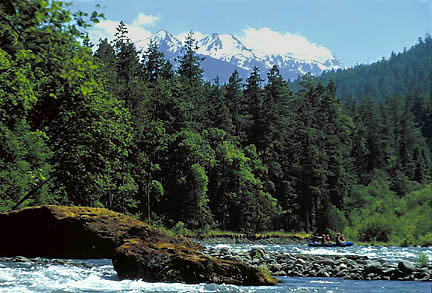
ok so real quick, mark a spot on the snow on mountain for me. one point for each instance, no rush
(167, 43)
(224, 52)
(227, 48)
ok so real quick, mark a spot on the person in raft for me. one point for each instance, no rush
(324, 239)
(316, 238)
(339, 238)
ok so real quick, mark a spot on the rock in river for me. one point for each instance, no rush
(165, 262)
(406, 266)
(138, 250)
(69, 232)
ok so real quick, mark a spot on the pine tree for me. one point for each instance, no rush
(253, 96)
(74, 132)
(218, 111)
(107, 56)
(154, 64)
(237, 106)
(338, 128)
(129, 86)
(190, 63)
(313, 158)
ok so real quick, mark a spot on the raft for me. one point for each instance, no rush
(343, 244)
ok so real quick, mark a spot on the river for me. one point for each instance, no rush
(73, 276)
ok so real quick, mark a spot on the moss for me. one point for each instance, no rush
(175, 262)
(138, 250)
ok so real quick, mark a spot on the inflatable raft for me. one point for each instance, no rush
(343, 244)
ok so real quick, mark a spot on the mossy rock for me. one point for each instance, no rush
(138, 250)
(72, 232)
(171, 262)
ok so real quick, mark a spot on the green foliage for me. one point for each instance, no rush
(264, 268)
(336, 219)
(422, 259)
(384, 217)
(179, 228)
(61, 127)
(425, 240)
(404, 73)
(189, 64)
(116, 130)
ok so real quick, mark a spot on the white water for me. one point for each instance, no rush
(391, 254)
(99, 275)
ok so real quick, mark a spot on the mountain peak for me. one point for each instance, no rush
(166, 42)
(223, 46)
(163, 35)
(224, 53)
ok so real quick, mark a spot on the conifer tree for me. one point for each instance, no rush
(312, 161)
(129, 86)
(237, 105)
(154, 64)
(108, 64)
(75, 132)
(253, 96)
(218, 111)
(190, 63)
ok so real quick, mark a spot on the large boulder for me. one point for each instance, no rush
(138, 250)
(167, 262)
(406, 266)
(71, 232)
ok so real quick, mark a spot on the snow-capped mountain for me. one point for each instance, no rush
(167, 43)
(225, 53)
(227, 48)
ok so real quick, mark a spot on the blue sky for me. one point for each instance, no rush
(354, 31)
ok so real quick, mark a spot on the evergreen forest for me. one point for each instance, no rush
(107, 125)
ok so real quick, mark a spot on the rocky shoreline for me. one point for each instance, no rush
(351, 267)
(137, 250)
(251, 240)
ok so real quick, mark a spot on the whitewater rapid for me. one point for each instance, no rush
(76, 276)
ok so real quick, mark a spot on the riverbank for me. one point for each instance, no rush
(251, 240)
(269, 239)
(350, 267)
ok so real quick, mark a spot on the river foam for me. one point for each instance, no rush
(91, 276)
(391, 254)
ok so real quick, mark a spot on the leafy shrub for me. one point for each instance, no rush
(386, 217)
(425, 240)
(375, 229)
(422, 259)
(336, 219)
(179, 228)
(264, 268)
(351, 233)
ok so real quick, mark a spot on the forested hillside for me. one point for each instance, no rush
(118, 128)
(403, 73)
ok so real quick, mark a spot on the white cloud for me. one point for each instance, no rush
(268, 42)
(197, 36)
(108, 28)
(145, 20)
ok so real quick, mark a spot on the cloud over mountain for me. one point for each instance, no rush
(224, 53)
(196, 34)
(145, 20)
(268, 42)
(108, 28)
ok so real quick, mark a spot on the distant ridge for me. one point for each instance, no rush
(407, 72)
